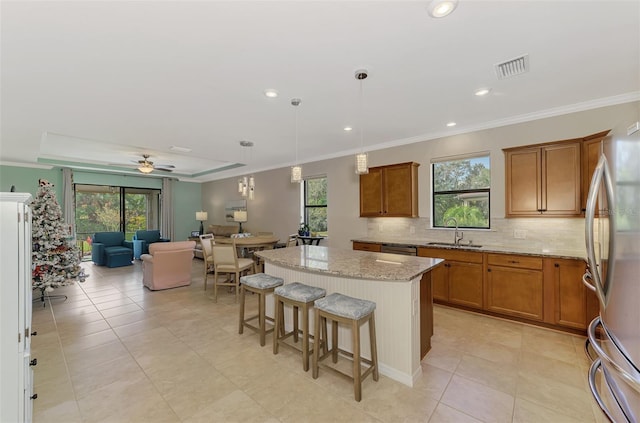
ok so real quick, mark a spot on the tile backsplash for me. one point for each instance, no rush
(534, 233)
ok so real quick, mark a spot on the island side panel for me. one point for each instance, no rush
(397, 317)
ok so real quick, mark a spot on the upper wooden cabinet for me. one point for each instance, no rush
(543, 180)
(592, 148)
(390, 191)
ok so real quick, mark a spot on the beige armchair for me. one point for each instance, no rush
(206, 241)
(168, 265)
(225, 260)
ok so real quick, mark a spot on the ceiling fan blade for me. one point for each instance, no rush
(163, 169)
(167, 166)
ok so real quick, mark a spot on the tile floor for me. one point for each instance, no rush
(117, 352)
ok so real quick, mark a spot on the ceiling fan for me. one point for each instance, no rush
(147, 166)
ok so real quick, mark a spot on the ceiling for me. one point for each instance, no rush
(94, 85)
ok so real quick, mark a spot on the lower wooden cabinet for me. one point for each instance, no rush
(575, 304)
(459, 279)
(515, 286)
(548, 291)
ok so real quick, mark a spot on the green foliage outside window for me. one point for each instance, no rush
(461, 191)
(315, 204)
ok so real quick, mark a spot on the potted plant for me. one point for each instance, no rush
(303, 230)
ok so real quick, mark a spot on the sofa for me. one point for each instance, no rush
(148, 237)
(168, 265)
(223, 231)
(218, 231)
(110, 249)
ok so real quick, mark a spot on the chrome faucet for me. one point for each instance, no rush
(458, 235)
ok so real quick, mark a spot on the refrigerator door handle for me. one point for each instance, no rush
(600, 174)
(632, 379)
(593, 370)
(588, 281)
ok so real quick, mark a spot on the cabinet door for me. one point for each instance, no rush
(561, 180)
(400, 189)
(591, 151)
(523, 179)
(371, 193)
(465, 284)
(571, 305)
(514, 291)
(439, 284)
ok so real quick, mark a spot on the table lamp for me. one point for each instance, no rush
(201, 216)
(240, 216)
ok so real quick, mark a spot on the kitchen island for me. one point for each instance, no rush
(399, 285)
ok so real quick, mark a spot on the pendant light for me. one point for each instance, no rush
(362, 166)
(296, 170)
(247, 184)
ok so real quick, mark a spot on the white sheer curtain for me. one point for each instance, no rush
(67, 200)
(166, 225)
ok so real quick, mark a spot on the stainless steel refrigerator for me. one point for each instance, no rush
(612, 233)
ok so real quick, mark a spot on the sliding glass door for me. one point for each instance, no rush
(101, 208)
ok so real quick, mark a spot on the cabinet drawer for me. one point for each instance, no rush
(450, 254)
(508, 260)
(365, 246)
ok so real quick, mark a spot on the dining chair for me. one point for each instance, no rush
(206, 241)
(225, 260)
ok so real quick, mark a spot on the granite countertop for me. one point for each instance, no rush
(349, 263)
(527, 251)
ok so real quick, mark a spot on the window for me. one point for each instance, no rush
(460, 190)
(115, 209)
(315, 204)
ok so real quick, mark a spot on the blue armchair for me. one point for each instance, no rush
(110, 249)
(148, 238)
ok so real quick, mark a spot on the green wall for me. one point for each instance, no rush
(187, 196)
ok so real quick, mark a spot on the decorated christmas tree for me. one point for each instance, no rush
(55, 257)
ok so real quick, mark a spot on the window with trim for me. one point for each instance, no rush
(460, 191)
(315, 204)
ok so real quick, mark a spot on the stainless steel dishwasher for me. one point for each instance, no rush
(403, 249)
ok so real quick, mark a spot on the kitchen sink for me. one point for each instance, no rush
(451, 244)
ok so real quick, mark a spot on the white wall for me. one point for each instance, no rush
(276, 204)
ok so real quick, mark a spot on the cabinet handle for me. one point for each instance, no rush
(556, 265)
(33, 362)
(34, 333)
(488, 270)
(34, 396)
(514, 261)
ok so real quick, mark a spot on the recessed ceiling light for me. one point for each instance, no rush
(348, 128)
(271, 93)
(482, 91)
(451, 124)
(441, 8)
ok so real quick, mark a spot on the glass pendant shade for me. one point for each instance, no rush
(296, 174)
(362, 166)
(145, 168)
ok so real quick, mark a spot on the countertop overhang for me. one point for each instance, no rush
(349, 263)
(529, 251)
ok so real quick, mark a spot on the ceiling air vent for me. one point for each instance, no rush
(513, 67)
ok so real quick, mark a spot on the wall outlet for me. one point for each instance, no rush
(520, 233)
(412, 230)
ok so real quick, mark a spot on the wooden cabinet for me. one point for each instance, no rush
(426, 314)
(365, 246)
(459, 279)
(544, 180)
(390, 191)
(575, 304)
(514, 286)
(15, 308)
(592, 147)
